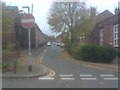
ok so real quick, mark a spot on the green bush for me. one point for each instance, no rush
(6, 55)
(71, 48)
(96, 53)
(5, 66)
(9, 47)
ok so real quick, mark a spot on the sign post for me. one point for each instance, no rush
(28, 21)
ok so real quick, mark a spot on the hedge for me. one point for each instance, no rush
(95, 53)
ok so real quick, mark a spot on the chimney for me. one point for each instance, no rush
(116, 10)
(93, 12)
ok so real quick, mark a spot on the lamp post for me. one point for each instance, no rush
(29, 44)
(27, 8)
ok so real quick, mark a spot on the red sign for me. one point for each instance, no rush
(27, 21)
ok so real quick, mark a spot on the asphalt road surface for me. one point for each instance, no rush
(67, 74)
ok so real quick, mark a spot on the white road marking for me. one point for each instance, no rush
(67, 78)
(45, 51)
(66, 75)
(88, 78)
(107, 75)
(43, 55)
(46, 78)
(110, 78)
(85, 75)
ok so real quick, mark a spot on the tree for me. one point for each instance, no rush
(8, 21)
(65, 16)
(7, 18)
(8, 45)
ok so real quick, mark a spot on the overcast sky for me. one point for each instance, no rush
(41, 9)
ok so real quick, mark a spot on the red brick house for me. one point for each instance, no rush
(8, 33)
(106, 29)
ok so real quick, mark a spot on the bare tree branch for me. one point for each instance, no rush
(67, 15)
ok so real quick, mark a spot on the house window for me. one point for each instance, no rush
(101, 37)
(115, 35)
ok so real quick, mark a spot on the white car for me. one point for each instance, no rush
(58, 44)
(48, 44)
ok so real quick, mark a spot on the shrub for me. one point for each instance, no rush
(96, 53)
(9, 47)
(5, 66)
(6, 55)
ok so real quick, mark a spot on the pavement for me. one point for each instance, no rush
(111, 66)
(38, 70)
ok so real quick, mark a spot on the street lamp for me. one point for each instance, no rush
(27, 8)
(22, 11)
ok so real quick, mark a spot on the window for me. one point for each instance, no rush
(101, 37)
(115, 35)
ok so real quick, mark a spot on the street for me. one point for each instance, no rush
(66, 74)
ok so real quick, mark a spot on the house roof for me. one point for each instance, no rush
(104, 15)
(13, 7)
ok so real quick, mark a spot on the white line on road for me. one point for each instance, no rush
(45, 50)
(88, 78)
(44, 78)
(85, 75)
(66, 75)
(107, 75)
(43, 55)
(67, 78)
(110, 78)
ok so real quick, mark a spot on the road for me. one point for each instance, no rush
(67, 74)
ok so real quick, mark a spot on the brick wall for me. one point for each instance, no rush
(107, 25)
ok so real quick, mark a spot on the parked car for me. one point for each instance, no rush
(48, 43)
(58, 44)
